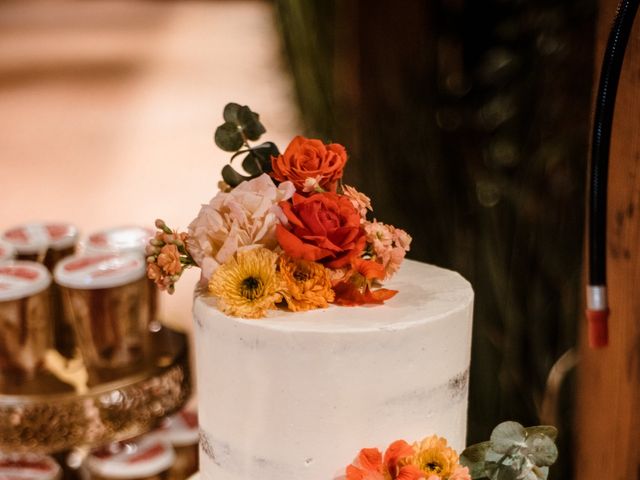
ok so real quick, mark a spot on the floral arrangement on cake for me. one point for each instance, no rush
(513, 453)
(430, 459)
(287, 234)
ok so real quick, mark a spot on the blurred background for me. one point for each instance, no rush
(467, 122)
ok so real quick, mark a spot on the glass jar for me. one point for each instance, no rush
(25, 323)
(106, 299)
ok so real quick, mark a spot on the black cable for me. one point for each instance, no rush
(603, 120)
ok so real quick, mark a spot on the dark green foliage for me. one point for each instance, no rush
(240, 126)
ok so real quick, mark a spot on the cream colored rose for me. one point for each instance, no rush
(242, 218)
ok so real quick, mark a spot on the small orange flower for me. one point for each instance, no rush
(433, 457)
(356, 287)
(154, 272)
(307, 285)
(370, 464)
(169, 259)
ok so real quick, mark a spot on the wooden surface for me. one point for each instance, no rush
(608, 402)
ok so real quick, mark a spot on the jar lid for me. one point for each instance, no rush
(28, 466)
(7, 252)
(20, 279)
(38, 237)
(119, 240)
(180, 429)
(140, 458)
(92, 272)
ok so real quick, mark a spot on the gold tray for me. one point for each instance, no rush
(47, 415)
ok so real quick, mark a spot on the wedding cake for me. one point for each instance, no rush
(303, 357)
(294, 396)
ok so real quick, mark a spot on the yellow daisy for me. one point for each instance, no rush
(434, 457)
(248, 284)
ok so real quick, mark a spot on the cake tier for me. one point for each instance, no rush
(295, 396)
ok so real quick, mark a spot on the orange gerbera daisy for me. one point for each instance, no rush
(370, 465)
(307, 284)
(434, 458)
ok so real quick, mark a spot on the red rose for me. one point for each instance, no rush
(324, 227)
(308, 158)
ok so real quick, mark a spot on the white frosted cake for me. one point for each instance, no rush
(295, 396)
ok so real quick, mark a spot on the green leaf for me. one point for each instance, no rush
(231, 177)
(475, 453)
(548, 430)
(506, 472)
(541, 450)
(238, 153)
(506, 436)
(250, 123)
(228, 137)
(541, 472)
(230, 113)
(264, 152)
(252, 165)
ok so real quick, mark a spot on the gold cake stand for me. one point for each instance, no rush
(47, 414)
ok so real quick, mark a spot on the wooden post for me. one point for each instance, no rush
(608, 394)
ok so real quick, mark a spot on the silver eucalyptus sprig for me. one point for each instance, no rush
(513, 453)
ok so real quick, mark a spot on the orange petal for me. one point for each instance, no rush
(397, 451)
(409, 472)
(369, 269)
(296, 248)
(370, 459)
(354, 473)
(380, 295)
(291, 216)
(347, 294)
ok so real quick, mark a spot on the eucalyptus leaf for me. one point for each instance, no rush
(541, 450)
(541, 472)
(230, 113)
(548, 430)
(492, 456)
(475, 453)
(231, 177)
(506, 472)
(250, 123)
(476, 470)
(252, 164)
(490, 469)
(228, 137)
(507, 436)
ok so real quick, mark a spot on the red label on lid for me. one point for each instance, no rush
(149, 453)
(17, 235)
(85, 262)
(110, 271)
(19, 272)
(99, 239)
(57, 231)
(190, 418)
(25, 463)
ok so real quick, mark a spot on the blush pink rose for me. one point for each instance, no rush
(243, 218)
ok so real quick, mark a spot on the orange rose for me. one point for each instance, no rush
(324, 228)
(307, 158)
